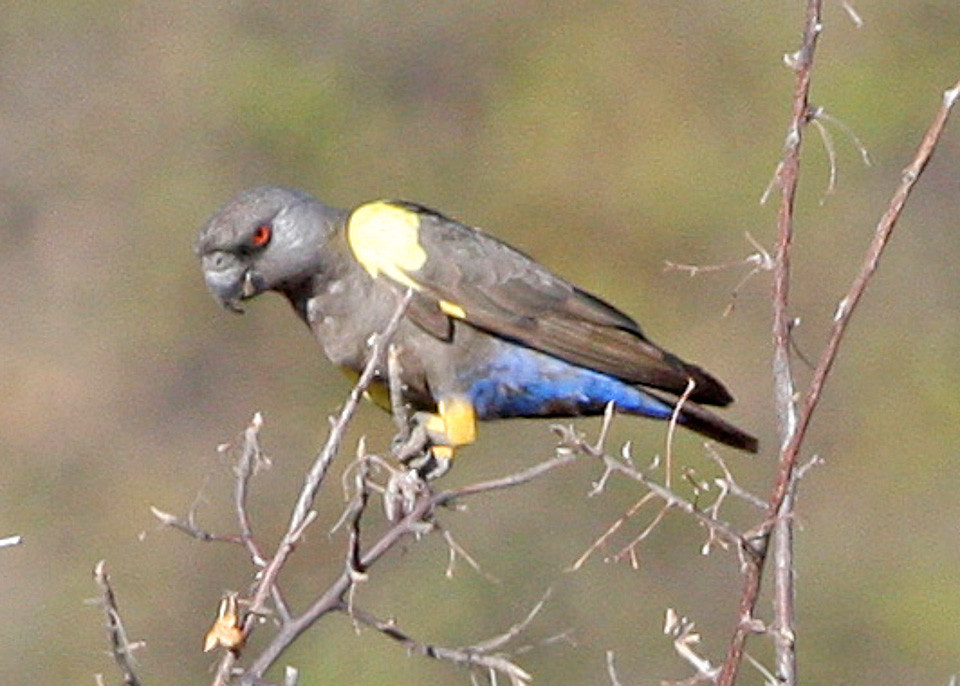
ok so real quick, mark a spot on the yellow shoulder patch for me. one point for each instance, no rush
(386, 239)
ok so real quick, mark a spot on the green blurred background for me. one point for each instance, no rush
(604, 138)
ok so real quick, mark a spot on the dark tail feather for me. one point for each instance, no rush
(704, 422)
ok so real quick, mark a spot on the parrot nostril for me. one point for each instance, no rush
(217, 261)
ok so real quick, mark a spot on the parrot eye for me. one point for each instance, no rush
(261, 236)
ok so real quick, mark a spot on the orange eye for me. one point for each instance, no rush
(261, 236)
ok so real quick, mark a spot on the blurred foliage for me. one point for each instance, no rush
(603, 138)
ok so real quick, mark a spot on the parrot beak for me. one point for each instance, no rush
(247, 290)
(228, 280)
(249, 287)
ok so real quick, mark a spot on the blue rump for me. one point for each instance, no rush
(520, 382)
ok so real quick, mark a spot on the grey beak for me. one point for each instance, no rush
(227, 279)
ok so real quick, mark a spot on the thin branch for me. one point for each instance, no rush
(612, 529)
(574, 442)
(683, 632)
(787, 180)
(853, 14)
(827, 139)
(190, 528)
(398, 408)
(358, 506)
(415, 522)
(630, 550)
(251, 459)
(871, 261)
(457, 550)
(515, 630)
(504, 482)
(731, 484)
(478, 655)
(672, 430)
(758, 261)
(317, 473)
(322, 462)
(120, 646)
(10, 541)
(612, 670)
(823, 115)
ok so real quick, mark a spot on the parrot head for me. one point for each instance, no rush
(267, 238)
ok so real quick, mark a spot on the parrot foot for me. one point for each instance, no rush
(417, 452)
(432, 463)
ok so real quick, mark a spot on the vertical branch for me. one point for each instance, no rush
(120, 646)
(781, 502)
(788, 175)
(793, 427)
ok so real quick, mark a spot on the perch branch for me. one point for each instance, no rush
(412, 524)
(120, 646)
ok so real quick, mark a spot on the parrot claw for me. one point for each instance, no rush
(432, 463)
(417, 451)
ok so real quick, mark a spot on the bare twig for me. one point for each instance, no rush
(758, 261)
(823, 115)
(315, 476)
(612, 529)
(10, 541)
(780, 502)
(515, 630)
(827, 139)
(478, 655)
(768, 678)
(415, 522)
(303, 513)
(355, 512)
(189, 527)
(457, 550)
(120, 646)
(672, 429)
(816, 118)
(882, 234)
(250, 461)
(612, 670)
(853, 14)
(573, 441)
(787, 178)
(683, 633)
(730, 483)
(398, 408)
